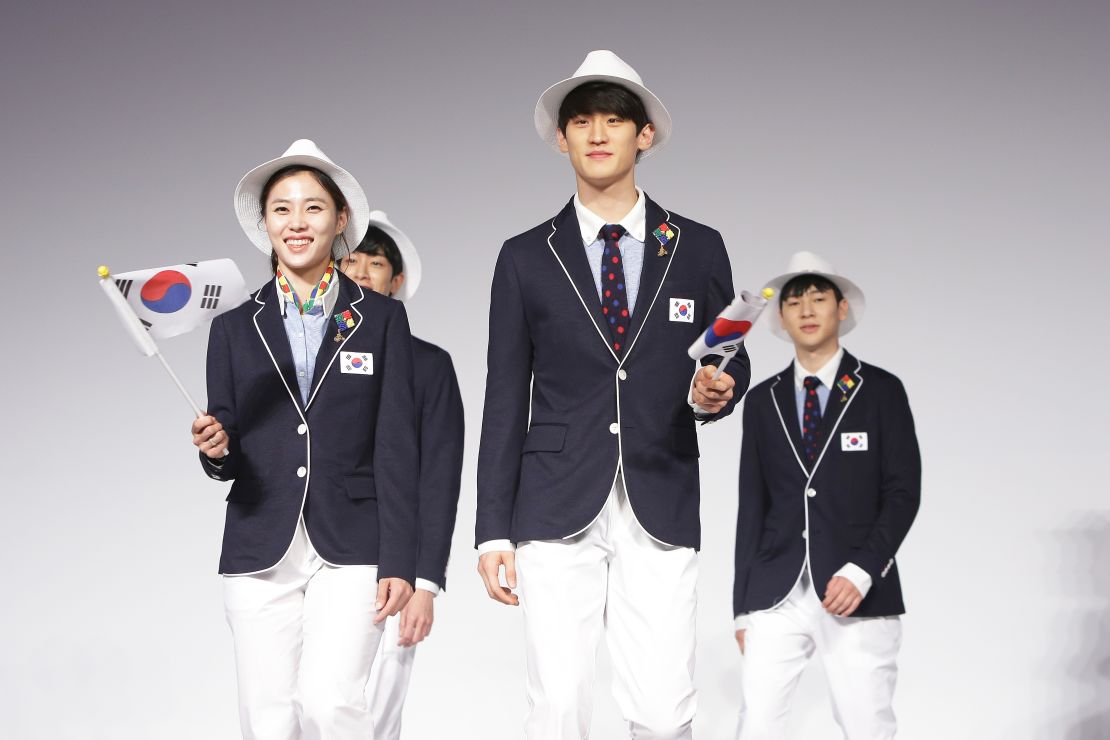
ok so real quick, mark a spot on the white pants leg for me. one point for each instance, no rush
(859, 656)
(860, 660)
(614, 578)
(562, 585)
(389, 682)
(777, 647)
(650, 628)
(304, 640)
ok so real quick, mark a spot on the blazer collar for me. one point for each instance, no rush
(350, 294)
(565, 241)
(846, 387)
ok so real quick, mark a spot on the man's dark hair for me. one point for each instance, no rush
(796, 287)
(600, 96)
(378, 243)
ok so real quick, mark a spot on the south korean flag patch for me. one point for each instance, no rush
(853, 442)
(682, 309)
(357, 363)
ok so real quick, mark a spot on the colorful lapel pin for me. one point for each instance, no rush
(664, 234)
(344, 321)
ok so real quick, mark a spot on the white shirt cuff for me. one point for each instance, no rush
(430, 586)
(740, 622)
(858, 576)
(495, 546)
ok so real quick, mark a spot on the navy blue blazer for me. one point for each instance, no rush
(347, 459)
(440, 429)
(562, 408)
(854, 506)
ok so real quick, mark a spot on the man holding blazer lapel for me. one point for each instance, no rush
(830, 482)
(589, 452)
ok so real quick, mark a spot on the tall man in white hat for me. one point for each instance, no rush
(311, 415)
(387, 262)
(588, 487)
(830, 482)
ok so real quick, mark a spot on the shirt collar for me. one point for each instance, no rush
(331, 295)
(827, 373)
(634, 222)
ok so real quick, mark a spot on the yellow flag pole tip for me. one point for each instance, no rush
(102, 271)
(768, 293)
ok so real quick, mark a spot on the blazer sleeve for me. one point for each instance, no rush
(441, 459)
(751, 509)
(221, 403)
(900, 482)
(508, 395)
(721, 293)
(396, 455)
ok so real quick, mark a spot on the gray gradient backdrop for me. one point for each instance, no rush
(953, 158)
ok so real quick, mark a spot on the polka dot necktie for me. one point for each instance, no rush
(811, 419)
(614, 297)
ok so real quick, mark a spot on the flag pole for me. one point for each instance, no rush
(138, 332)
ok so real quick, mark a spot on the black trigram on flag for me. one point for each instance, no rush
(146, 324)
(124, 286)
(211, 296)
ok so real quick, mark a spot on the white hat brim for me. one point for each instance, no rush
(547, 109)
(851, 292)
(409, 256)
(248, 207)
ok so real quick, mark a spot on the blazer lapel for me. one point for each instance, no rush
(845, 388)
(349, 295)
(566, 244)
(786, 403)
(270, 326)
(656, 264)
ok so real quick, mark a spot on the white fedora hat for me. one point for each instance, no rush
(607, 66)
(409, 255)
(302, 151)
(808, 263)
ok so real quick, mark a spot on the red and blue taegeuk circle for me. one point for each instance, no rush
(356, 363)
(726, 330)
(166, 292)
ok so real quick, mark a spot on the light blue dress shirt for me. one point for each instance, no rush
(306, 333)
(631, 244)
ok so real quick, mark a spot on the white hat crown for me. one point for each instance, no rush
(409, 256)
(605, 62)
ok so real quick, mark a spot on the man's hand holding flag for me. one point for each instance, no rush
(711, 392)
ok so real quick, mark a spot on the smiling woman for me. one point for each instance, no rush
(319, 440)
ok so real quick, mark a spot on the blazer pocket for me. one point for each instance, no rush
(245, 491)
(545, 438)
(684, 440)
(360, 486)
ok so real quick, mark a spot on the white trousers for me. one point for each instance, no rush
(389, 682)
(612, 578)
(858, 654)
(304, 642)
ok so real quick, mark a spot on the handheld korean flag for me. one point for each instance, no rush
(173, 300)
(163, 303)
(727, 332)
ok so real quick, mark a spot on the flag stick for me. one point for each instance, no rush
(180, 387)
(721, 367)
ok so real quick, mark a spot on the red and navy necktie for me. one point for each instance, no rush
(614, 297)
(811, 419)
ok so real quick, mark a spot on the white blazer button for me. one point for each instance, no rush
(302, 471)
(805, 534)
(614, 428)
(811, 492)
(622, 374)
(301, 429)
